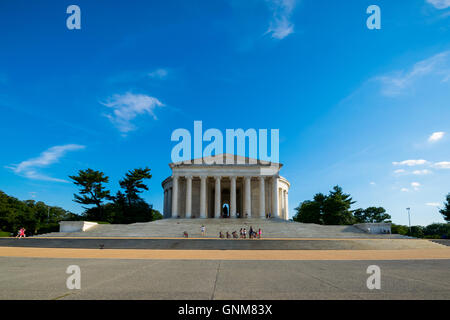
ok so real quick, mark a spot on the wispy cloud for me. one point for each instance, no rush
(140, 76)
(442, 165)
(433, 204)
(280, 24)
(439, 4)
(436, 136)
(415, 185)
(396, 83)
(29, 168)
(421, 172)
(158, 74)
(127, 107)
(410, 163)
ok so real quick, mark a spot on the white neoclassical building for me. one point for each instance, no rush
(225, 186)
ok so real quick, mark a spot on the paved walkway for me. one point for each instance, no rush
(43, 278)
(249, 255)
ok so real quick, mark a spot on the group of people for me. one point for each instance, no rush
(252, 234)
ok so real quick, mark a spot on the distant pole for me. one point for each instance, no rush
(409, 218)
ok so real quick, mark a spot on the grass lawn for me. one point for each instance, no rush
(4, 234)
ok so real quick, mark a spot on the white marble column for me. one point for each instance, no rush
(217, 208)
(175, 196)
(275, 196)
(188, 197)
(165, 203)
(286, 205)
(233, 197)
(203, 197)
(248, 198)
(169, 202)
(262, 198)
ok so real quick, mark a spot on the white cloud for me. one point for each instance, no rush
(399, 171)
(29, 167)
(442, 165)
(404, 190)
(281, 25)
(433, 204)
(410, 163)
(158, 74)
(439, 4)
(415, 185)
(372, 183)
(395, 84)
(436, 136)
(421, 172)
(139, 76)
(127, 107)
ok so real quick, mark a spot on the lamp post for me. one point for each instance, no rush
(409, 218)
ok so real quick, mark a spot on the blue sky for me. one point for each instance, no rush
(366, 109)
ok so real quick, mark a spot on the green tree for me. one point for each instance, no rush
(35, 217)
(437, 230)
(371, 215)
(311, 211)
(399, 229)
(133, 183)
(416, 232)
(92, 190)
(157, 215)
(446, 210)
(336, 208)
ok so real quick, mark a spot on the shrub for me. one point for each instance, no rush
(47, 228)
(4, 234)
(416, 232)
(437, 230)
(399, 229)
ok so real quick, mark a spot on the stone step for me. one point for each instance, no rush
(176, 227)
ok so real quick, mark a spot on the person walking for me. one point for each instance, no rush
(250, 232)
(21, 233)
(244, 233)
(259, 233)
(203, 229)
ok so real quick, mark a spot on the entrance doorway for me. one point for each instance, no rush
(225, 210)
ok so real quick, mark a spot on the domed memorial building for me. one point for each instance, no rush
(225, 186)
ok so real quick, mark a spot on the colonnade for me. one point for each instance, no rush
(279, 197)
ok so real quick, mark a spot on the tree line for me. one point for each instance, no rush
(126, 206)
(334, 208)
(35, 216)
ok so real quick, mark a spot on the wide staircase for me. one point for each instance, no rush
(270, 229)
